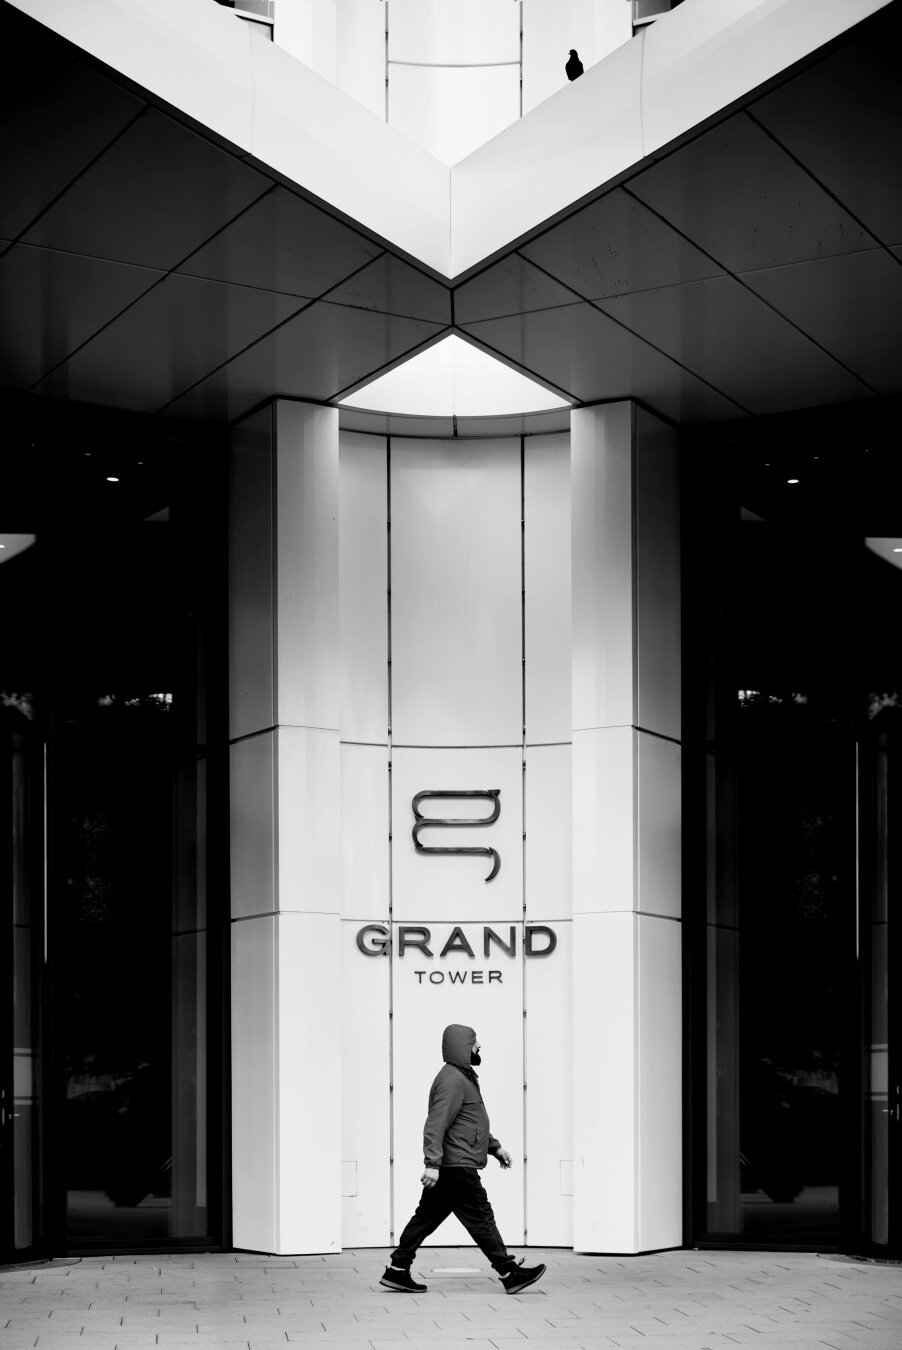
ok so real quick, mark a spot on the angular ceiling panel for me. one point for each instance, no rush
(852, 305)
(184, 327)
(283, 243)
(593, 359)
(395, 287)
(157, 194)
(56, 115)
(742, 199)
(618, 245)
(718, 329)
(843, 120)
(316, 355)
(60, 300)
(511, 286)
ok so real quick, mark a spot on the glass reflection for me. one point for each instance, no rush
(104, 722)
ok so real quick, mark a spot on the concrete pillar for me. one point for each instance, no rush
(285, 862)
(627, 1003)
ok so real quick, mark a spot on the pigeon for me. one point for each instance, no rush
(574, 66)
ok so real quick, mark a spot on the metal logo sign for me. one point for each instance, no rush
(492, 795)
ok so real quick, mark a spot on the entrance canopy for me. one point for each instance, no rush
(751, 265)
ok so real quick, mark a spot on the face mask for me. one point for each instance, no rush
(475, 1058)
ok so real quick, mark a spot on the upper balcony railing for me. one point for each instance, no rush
(449, 74)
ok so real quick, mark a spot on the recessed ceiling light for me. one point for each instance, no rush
(4, 546)
(112, 480)
(895, 550)
(792, 480)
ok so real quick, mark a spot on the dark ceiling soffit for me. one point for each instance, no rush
(572, 208)
(207, 133)
(740, 104)
(392, 365)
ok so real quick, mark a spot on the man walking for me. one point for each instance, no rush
(456, 1144)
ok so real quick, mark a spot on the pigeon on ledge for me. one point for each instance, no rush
(574, 66)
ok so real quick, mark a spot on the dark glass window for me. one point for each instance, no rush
(793, 592)
(116, 679)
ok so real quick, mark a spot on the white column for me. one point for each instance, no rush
(284, 771)
(627, 1002)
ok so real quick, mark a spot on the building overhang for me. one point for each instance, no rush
(709, 222)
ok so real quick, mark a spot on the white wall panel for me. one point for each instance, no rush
(456, 593)
(363, 566)
(549, 832)
(450, 111)
(658, 656)
(601, 485)
(605, 1147)
(364, 832)
(360, 53)
(549, 1092)
(254, 1083)
(309, 1079)
(251, 632)
(252, 799)
(454, 31)
(552, 27)
(431, 886)
(659, 828)
(660, 1086)
(365, 1097)
(308, 825)
(307, 504)
(604, 837)
(547, 556)
(421, 1012)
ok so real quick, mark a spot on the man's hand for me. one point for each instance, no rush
(429, 1178)
(503, 1157)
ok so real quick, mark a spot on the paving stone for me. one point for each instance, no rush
(666, 1301)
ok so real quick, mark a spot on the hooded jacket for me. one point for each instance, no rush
(457, 1131)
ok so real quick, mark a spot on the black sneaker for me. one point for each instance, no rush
(400, 1281)
(521, 1277)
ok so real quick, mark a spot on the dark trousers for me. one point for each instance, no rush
(458, 1191)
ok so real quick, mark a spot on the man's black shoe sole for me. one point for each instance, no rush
(518, 1288)
(400, 1288)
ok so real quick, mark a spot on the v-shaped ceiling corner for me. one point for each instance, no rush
(270, 107)
(219, 226)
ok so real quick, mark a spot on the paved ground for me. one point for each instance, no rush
(672, 1301)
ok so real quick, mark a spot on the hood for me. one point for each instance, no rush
(457, 1042)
